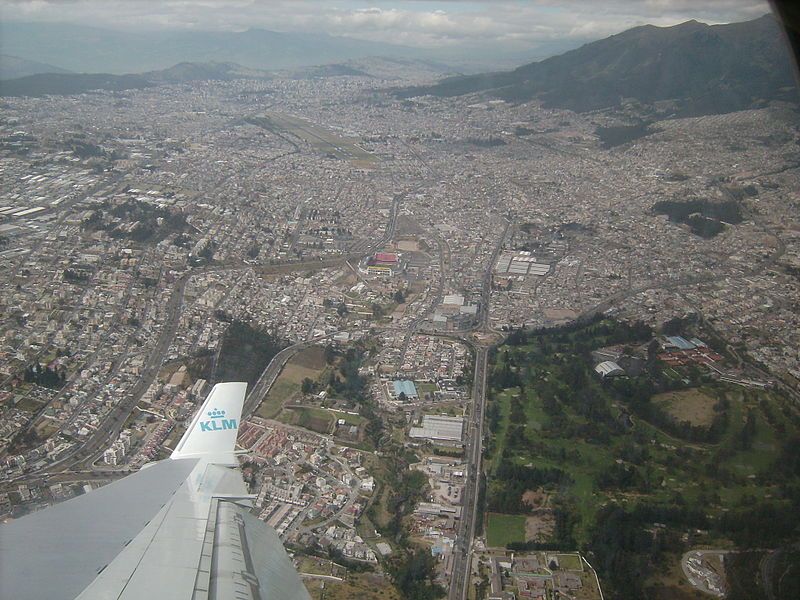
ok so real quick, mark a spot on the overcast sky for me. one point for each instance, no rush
(426, 23)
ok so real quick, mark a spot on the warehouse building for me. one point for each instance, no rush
(439, 428)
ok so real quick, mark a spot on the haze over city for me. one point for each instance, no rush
(519, 29)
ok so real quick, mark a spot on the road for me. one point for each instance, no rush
(462, 563)
(90, 450)
(268, 376)
(109, 429)
(114, 422)
(459, 582)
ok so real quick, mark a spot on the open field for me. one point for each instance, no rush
(315, 419)
(540, 527)
(693, 405)
(348, 418)
(310, 358)
(320, 566)
(423, 387)
(280, 392)
(46, 427)
(504, 529)
(570, 562)
(307, 363)
(29, 404)
(369, 586)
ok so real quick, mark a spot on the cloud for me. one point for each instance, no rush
(413, 22)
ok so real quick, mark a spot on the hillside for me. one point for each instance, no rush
(188, 71)
(702, 68)
(13, 67)
(44, 84)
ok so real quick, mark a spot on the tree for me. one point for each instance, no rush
(402, 397)
(744, 440)
(341, 310)
(413, 574)
(330, 354)
(399, 297)
(307, 386)
(652, 354)
(673, 327)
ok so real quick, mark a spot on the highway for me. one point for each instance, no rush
(93, 447)
(473, 450)
(462, 563)
(114, 422)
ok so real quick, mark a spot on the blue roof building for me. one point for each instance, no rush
(406, 387)
(680, 343)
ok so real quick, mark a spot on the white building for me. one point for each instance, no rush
(609, 368)
(441, 428)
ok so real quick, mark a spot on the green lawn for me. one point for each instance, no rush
(348, 418)
(504, 529)
(570, 562)
(281, 391)
(425, 388)
(315, 419)
(502, 399)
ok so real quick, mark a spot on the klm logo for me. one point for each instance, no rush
(217, 421)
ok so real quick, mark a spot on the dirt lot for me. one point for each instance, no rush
(540, 526)
(369, 586)
(693, 405)
(45, 428)
(310, 358)
(536, 498)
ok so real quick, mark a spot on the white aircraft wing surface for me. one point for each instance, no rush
(178, 529)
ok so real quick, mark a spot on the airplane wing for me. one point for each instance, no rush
(180, 528)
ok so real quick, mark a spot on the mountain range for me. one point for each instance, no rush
(95, 50)
(687, 69)
(13, 67)
(62, 83)
(42, 84)
(697, 68)
(83, 49)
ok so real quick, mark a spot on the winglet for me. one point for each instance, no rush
(214, 428)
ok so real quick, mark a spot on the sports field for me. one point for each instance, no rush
(504, 529)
